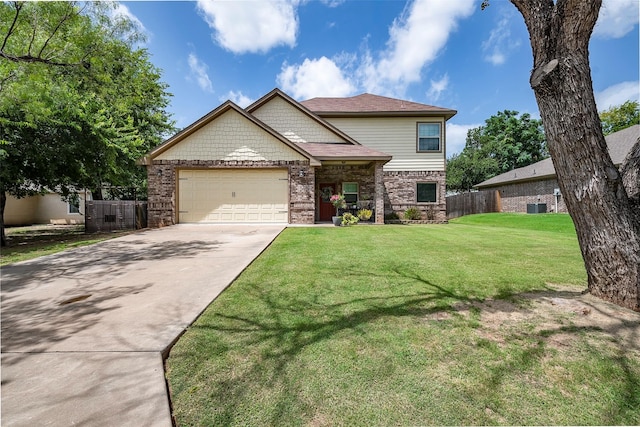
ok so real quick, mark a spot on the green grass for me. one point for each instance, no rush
(396, 325)
(27, 243)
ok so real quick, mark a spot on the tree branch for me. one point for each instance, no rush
(33, 34)
(541, 72)
(5, 79)
(13, 24)
(36, 59)
(55, 30)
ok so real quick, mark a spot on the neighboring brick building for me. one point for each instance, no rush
(280, 160)
(537, 183)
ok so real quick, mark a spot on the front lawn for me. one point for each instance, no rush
(481, 321)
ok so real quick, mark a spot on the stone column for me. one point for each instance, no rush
(302, 194)
(379, 195)
(161, 180)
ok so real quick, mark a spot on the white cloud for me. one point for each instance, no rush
(199, 72)
(314, 77)
(617, 18)
(415, 39)
(457, 137)
(251, 26)
(238, 98)
(617, 94)
(437, 87)
(332, 3)
(500, 42)
(122, 12)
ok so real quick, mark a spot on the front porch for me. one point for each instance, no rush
(361, 183)
(349, 169)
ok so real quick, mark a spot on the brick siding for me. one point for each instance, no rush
(162, 186)
(398, 188)
(515, 197)
(364, 175)
(401, 193)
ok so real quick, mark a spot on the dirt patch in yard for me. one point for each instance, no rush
(559, 316)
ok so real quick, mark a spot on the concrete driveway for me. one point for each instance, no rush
(83, 331)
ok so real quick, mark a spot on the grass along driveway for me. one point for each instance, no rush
(34, 241)
(481, 321)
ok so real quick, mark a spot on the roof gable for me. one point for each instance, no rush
(294, 121)
(368, 104)
(255, 125)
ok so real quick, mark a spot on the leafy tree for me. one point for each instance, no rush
(78, 103)
(604, 212)
(505, 142)
(620, 117)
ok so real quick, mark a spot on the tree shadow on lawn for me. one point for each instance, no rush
(280, 340)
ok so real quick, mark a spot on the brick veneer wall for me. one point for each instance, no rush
(364, 175)
(162, 202)
(515, 197)
(401, 188)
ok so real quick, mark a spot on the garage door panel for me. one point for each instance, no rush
(249, 195)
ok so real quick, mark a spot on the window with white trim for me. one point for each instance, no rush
(429, 137)
(427, 192)
(73, 207)
(350, 192)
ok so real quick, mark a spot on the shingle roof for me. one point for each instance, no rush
(367, 104)
(330, 151)
(619, 144)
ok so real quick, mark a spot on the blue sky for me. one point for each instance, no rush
(446, 53)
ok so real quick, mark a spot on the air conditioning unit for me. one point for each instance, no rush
(536, 208)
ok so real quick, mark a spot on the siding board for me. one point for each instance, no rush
(293, 124)
(395, 136)
(230, 137)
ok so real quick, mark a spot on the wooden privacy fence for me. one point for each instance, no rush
(473, 203)
(110, 215)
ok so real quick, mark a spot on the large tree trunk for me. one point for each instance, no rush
(608, 231)
(3, 203)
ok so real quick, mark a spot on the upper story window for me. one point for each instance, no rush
(429, 137)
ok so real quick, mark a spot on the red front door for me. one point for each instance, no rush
(326, 208)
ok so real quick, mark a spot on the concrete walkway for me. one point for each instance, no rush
(83, 331)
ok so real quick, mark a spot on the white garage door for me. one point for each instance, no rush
(233, 195)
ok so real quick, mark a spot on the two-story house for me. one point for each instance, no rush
(280, 161)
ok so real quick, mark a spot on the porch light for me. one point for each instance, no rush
(159, 172)
(302, 173)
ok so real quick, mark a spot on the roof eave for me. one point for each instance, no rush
(354, 158)
(189, 130)
(514, 181)
(447, 114)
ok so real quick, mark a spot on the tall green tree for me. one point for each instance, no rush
(603, 209)
(79, 104)
(506, 141)
(620, 117)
